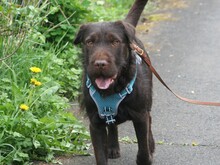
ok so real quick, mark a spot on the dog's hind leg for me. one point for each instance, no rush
(151, 138)
(99, 141)
(113, 144)
(144, 137)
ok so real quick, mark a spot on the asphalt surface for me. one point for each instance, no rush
(186, 52)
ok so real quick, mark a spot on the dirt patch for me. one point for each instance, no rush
(160, 13)
(171, 4)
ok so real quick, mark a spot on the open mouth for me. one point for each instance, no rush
(104, 83)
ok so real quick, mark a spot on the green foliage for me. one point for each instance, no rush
(63, 20)
(43, 129)
(34, 122)
(108, 10)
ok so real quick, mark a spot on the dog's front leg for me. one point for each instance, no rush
(113, 144)
(144, 137)
(99, 141)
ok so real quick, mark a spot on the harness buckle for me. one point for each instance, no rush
(108, 114)
(110, 119)
(129, 89)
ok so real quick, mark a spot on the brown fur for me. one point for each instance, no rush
(107, 54)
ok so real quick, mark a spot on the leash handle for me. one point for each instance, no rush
(146, 59)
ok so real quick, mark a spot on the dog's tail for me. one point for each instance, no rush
(135, 12)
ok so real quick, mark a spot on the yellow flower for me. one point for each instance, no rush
(35, 82)
(24, 107)
(35, 69)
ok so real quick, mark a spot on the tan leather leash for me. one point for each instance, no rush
(146, 59)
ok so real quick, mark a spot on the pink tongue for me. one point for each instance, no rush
(103, 83)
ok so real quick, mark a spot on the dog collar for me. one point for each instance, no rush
(108, 106)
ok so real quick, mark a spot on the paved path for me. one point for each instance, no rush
(186, 52)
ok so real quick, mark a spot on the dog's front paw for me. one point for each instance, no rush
(114, 153)
(143, 160)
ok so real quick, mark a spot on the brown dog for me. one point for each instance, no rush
(117, 86)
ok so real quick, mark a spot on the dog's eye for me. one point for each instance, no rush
(115, 43)
(89, 43)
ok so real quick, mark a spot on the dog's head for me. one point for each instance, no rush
(107, 52)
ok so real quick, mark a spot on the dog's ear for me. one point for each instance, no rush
(128, 29)
(79, 36)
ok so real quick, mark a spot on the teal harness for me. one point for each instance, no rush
(108, 106)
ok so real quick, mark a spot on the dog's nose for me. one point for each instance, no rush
(101, 64)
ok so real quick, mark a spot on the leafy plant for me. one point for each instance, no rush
(34, 123)
(63, 20)
(108, 10)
